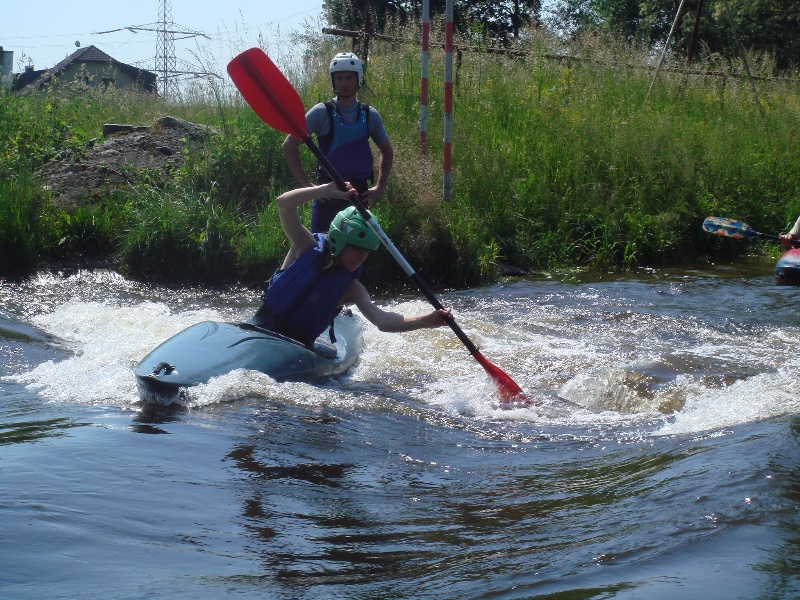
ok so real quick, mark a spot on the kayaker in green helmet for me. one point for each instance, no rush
(321, 272)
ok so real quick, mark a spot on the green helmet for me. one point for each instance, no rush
(349, 227)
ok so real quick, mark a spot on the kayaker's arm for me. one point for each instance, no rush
(291, 150)
(385, 163)
(298, 234)
(392, 321)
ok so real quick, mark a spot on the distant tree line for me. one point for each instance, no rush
(498, 20)
(762, 26)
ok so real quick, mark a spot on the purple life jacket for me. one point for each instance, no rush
(303, 298)
(347, 146)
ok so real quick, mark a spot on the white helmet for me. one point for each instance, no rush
(347, 61)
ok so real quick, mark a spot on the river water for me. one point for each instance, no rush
(661, 460)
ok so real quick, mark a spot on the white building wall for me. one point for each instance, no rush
(7, 70)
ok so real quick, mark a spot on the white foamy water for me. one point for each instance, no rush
(633, 353)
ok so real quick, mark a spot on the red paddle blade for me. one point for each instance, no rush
(268, 92)
(510, 392)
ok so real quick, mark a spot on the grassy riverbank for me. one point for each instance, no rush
(555, 164)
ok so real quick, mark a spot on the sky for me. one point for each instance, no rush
(44, 32)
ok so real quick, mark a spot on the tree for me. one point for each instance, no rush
(351, 14)
(768, 26)
(502, 20)
(498, 20)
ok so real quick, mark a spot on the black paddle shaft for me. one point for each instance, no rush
(421, 285)
(334, 174)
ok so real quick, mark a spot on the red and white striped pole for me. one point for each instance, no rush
(448, 99)
(423, 100)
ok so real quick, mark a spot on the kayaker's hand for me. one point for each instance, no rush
(331, 191)
(372, 196)
(437, 318)
(788, 241)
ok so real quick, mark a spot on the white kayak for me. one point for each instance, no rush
(213, 348)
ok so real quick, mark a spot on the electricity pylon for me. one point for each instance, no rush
(165, 64)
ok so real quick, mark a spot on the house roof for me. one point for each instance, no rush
(93, 54)
(29, 75)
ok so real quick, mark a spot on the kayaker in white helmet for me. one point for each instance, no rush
(321, 272)
(343, 127)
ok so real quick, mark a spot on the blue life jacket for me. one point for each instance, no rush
(303, 298)
(347, 146)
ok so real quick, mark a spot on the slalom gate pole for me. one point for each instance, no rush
(423, 99)
(448, 102)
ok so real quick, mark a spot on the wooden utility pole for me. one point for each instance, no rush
(693, 39)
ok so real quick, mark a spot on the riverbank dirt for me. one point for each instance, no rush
(127, 155)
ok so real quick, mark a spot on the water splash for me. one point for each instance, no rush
(657, 357)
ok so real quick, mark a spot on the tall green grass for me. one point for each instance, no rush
(556, 163)
(181, 234)
(561, 163)
(20, 227)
